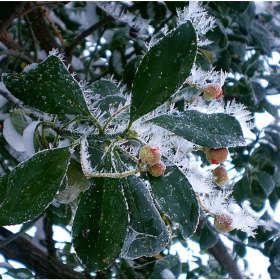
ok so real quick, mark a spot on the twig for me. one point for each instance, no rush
(70, 49)
(17, 54)
(23, 229)
(53, 26)
(42, 4)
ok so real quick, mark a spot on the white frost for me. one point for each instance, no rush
(167, 274)
(27, 137)
(12, 136)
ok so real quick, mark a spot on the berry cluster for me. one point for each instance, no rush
(152, 157)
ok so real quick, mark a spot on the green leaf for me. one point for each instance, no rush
(175, 196)
(238, 6)
(147, 233)
(77, 183)
(130, 69)
(30, 187)
(242, 189)
(207, 238)
(59, 214)
(208, 130)
(100, 224)
(19, 273)
(163, 70)
(48, 87)
(265, 181)
(258, 197)
(168, 267)
(19, 122)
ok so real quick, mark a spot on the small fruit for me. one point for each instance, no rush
(157, 169)
(223, 223)
(212, 91)
(220, 175)
(215, 156)
(150, 155)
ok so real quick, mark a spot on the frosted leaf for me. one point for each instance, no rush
(142, 248)
(232, 108)
(12, 136)
(28, 138)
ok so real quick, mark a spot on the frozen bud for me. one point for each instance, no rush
(150, 155)
(215, 156)
(212, 91)
(223, 223)
(157, 169)
(220, 175)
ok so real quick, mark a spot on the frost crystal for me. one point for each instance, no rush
(201, 181)
(116, 11)
(201, 21)
(243, 218)
(201, 78)
(56, 53)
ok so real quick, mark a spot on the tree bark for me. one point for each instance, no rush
(43, 264)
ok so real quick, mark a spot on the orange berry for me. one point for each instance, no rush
(223, 223)
(150, 155)
(215, 156)
(157, 169)
(220, 175)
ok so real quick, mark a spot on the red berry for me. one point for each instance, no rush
(220, 94)
(215, 156)
(157, 169)
(220, 175)
(150, 155)
(223, 223)
(212, 91)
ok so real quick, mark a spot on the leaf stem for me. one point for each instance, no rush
(115, 175)
(114, 115)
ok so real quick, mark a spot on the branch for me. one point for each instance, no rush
(42, 31)
(221, 254)
(70, 49)
(43, 264)
(11, 16)
(43, 4)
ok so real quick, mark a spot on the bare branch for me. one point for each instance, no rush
(14, 14)
(43, 264)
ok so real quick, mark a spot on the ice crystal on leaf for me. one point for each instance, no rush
(201, 78)
(56, 53)
(201, 21)
(201, 181)
(232, 108)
